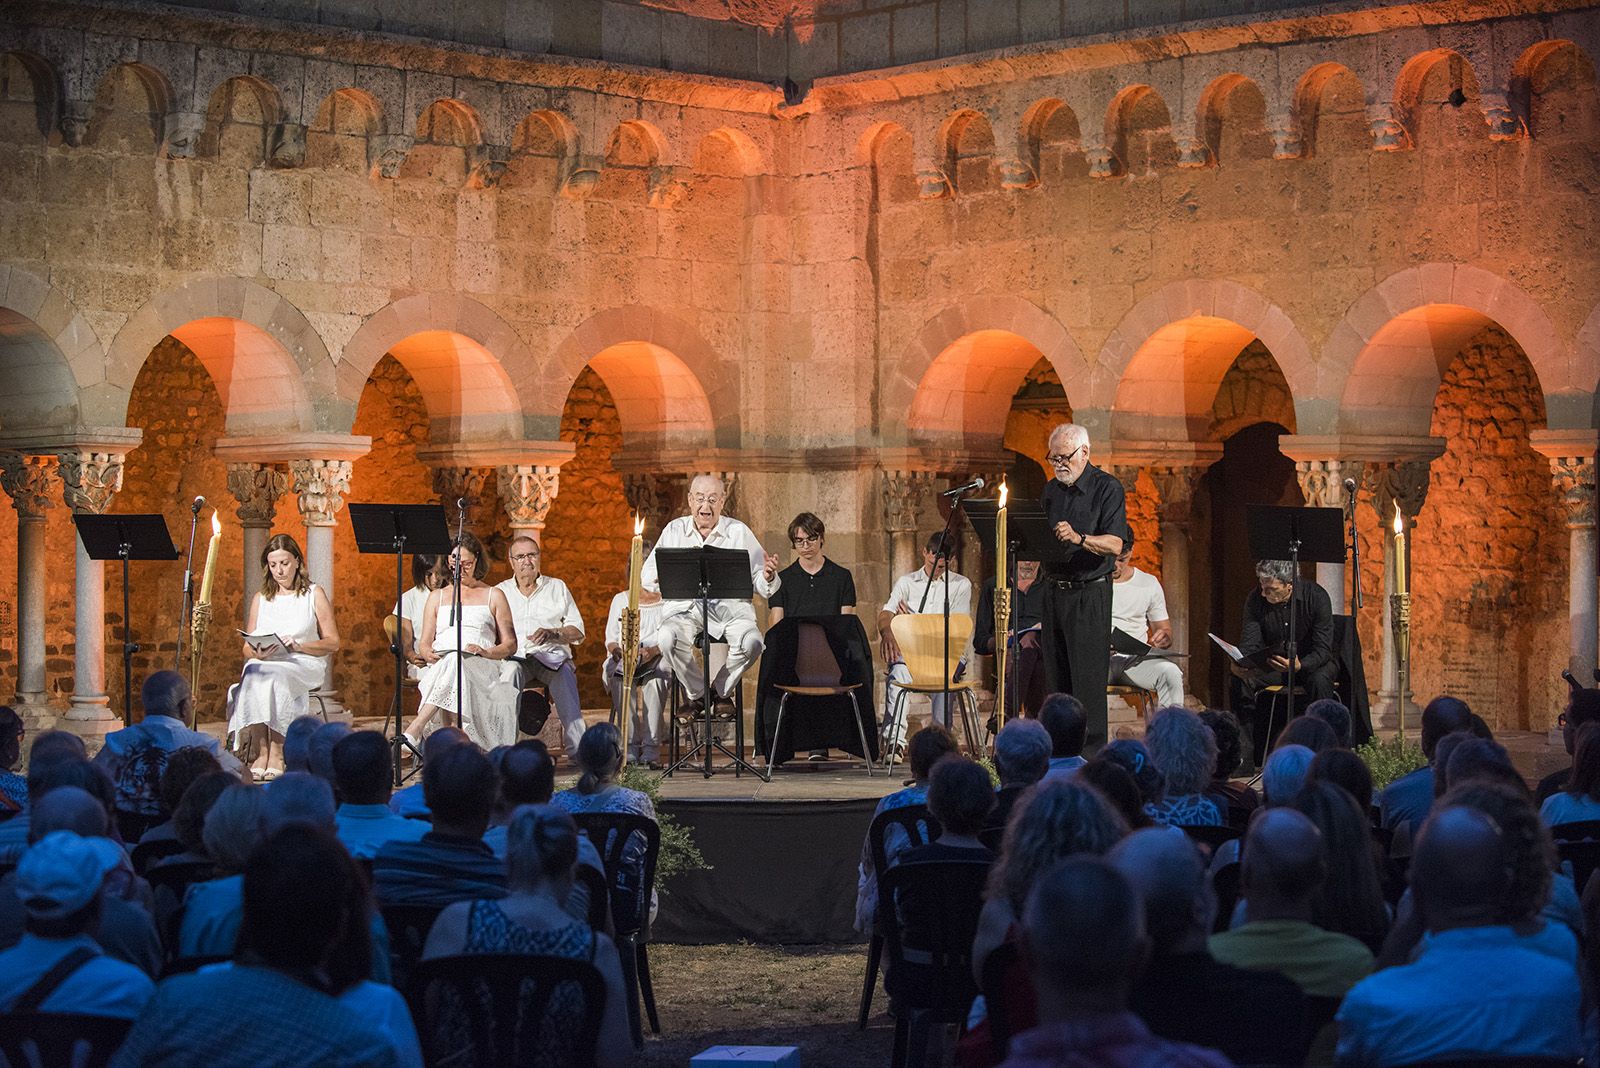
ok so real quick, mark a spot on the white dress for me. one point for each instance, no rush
(489, 710)
(274, 692)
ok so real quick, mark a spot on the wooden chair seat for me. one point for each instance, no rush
(818, 691)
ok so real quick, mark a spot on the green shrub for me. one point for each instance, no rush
(678, 851)
(1390, 758)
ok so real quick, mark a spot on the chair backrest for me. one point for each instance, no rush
(1577, 831)
(594, 884)
(133, 825)
(499, 1009)
(920, 637)
(899, 829)
(391, 628)
(997, 986)
(185, 965)
(408, 927)
(1211, 837)
(54, 1039)
(147, 853)
(814, 662)
(930, 912)
(1583, 855)
(630, 890)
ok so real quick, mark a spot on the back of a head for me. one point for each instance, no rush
(297, 798)
(1224, 726)
(926, 748)
(1529, 848)
(363, 768)
(319, 753)
(541, 846)
(1441, 716)
(164, 693)
(1131, 754)
(1345, 769)
(1170, 878)
(1443, 750)
(1476, 759)
(68, 808)
(1183, 749)
(1583, 706)
(1309, 731)
(1285, 772)
(1284, 855)
(1064, 717)
(1584, 779)
(50, 747)
(64, 769)
(189, 818)
(305, 865)
(1055, 819)
(1334, 714)
(442, 739)
(460, 785)
(1459, 869)
(184, 767)
(297, 742)
(599, 755)
(527, 777)
(1113, 781)
(1022, 752)
(960, 795)
(232, 828)
(1084, 928)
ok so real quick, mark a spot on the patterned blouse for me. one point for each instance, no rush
(1189, 810)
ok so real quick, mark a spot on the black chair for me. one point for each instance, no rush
(919, 828)
(408, 927)
(594, 885)
(185, 965)
(169, 883)
(1579, 845)
(146, 854)
(930, 911)
(630, 903)
(1211, 837)
(817, 674)
(490, 1009)
(60, 1039)
(997, 966)
(1225, 885)
(133, 825)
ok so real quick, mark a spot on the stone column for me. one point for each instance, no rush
(1572, 470)
(528, 491)
(257, 488)
(455, 484)
(1402, 484)
(1176, 485)
(29, 482)
(89, 479)
(321, 486)
(903, 495)
(1322, 485)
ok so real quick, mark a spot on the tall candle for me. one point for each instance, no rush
(211, 558)
(1399, 552)
(1002, 576)
(635, 563)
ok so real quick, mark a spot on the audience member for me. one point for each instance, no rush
(277, 1005)
(1580, 798)
(1235, 800)
(1334, 714)
(1583, 706)
(1442, 752)
(13, 787)
(135, 757)
(528, 777)
(1021, 758)
(1134, 758)
(1480, 728)
(1068, 725)
(1283, 867)
(319, 751)
(961, 798)
(410, 801)
(449, 863)
(600, 759)
(1284, 773)
(1350, 900)
(1309, 731)
(1185, 753)
(1409, 797)
(1184, 993)
(50, 748)
(1347, 770)
(297, 743)
(189, 818)
(924, 750)
(1521, 1002)
(1086, 943)
(1113, 781)
(58, 967)
(211, 909)
(183, 768)
(363, 773)
(1478, 759)
(1540, 890)
(541, 854)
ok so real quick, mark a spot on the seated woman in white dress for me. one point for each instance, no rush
(488, 706)
(270, 693)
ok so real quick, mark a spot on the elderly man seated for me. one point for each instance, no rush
(1021, 757)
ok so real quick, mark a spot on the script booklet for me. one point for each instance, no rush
(266, 645)
(1126, 644)
(1260, 659)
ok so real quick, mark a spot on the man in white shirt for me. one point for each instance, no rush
(732, 621)
(921, 591)
(649, 684)
(548, 626)
(1139, 607)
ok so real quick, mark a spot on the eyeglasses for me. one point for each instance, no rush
(1057, 459)
(522, 558)
(805, 542)
(704, 498)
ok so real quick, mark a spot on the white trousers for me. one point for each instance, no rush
(894, 726)
(1162, 676)
(650, 701)
(734, 623)
(561, 683)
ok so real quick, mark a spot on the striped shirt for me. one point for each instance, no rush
(437, 870)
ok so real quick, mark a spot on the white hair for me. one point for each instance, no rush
(1285, 773)
(713, 479)
(1076, 436)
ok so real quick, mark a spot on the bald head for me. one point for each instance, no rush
(1170, 878)
(1085, 934)
(1459, 871)
(69, 808)
(707, 495)
(1284, 864)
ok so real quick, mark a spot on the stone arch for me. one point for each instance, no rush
(48, 353)
(1050, 128)
(669, 385)
(1226, 103)
(1408, 87)
(966, 149)
(1536, 78)
(730, 153)
(472, 366)
(887, 148)
(1384, 359)
(1138, 129)
(1159, 371)
(341, 128)
(230, 104)
(446, 133)
(1318, 112)
(636, 143)
(957, 377)
(41, 95)
(158, 98)
(267, 360)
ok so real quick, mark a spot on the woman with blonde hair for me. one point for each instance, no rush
(279, 675)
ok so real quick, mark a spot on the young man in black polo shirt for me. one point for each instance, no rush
(1085, 508)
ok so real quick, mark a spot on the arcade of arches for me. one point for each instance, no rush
(287, 270)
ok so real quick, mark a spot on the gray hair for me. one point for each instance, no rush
(164, 693)
(1183, 748)
(1280, 570)
(1285, 773)
(233, 826)
(1077, 436)
(319, 753)
(297, 742)
(298, 797)
(1022, 752)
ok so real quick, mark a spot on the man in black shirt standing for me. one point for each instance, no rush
(1085, 508)
(1266, 626)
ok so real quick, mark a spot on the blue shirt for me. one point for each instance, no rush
(214, 910)
(437, 870)
(101, 987)
(1062, 767)
(1562, 807)
(409, 802)
(365, 828)
(1407, 800)
(1443, 1004)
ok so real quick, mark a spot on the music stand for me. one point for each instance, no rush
(1028, 537)
(398, 529)
(126, 537)
(703, 575)
(1295, 534)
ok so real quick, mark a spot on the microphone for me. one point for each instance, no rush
(975, 484)
(1349, 485)
(461, 504)
(199, 502)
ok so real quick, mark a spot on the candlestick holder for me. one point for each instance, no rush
(630, 666)
(1002, 634)
(199, 624)
(1400, 614)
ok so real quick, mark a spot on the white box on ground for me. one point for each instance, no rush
(740, 1056)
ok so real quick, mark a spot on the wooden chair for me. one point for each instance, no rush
(917, 825)
(1141, 700)
(408, 685)
(817, 674)
(920, 637)
(484, 1010)
(55, 1039)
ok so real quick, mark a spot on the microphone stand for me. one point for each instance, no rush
(1355, 555)
(186, 613)
(455, 607)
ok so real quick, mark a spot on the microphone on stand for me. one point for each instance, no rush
(199, 502)
(976, 484)
(1355, 547)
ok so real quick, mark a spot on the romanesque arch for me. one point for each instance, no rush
(47, 352)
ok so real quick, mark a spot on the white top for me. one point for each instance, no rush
(549, 606)
(1137, 603)
(290, 615)
(908, 591)
(477, 628)
(729, 534)
(649, 621)
(412, 602)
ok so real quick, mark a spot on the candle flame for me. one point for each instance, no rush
(1399, 522)
(1003, 491)
(216, 524)
(638, 524)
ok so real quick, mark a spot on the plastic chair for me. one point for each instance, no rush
(60, 1039)
(1579, 845)
(491, 1009)
(630, 906)
(1142, 700)
(997, 968)
(133, 825)
(918, 826)
(920, 637)
(594, 884)
(169, 883)
(408, 927)
(185, 965)
(1225, 885)
(147, 853)
(817, 674)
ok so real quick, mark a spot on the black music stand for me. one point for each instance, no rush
(1295, 534)
(706, 574)
(126, 537)
(398, 529)
(1028, 537)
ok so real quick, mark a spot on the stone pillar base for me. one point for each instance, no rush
(90, 720)
(1386, 715)
(327, 703)
(36, 712)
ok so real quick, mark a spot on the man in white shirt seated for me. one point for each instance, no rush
(58, 967)
(922, 591)
(730, 621)
(135, 756)
(1139, 608)
(548, 626)
(363, 773)
(649, 684)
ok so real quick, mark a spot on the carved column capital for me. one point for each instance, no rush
(1127, 474)
(89, 479)
(933, 183)
(257, 488)
(1322, 481)
(29, 481)
(1103, 162)
(1402, 483)
(457, 483)
(1574, 480)
(528, 491)
(904, 493)
(1286, 140)
(1193, 154)
(1176, 485)
(1388, 132)
(1017, 173)
(653, 495)
(1504, 123)
(321, 486)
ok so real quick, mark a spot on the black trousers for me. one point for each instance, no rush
(1268, 717)
(1077, 649)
